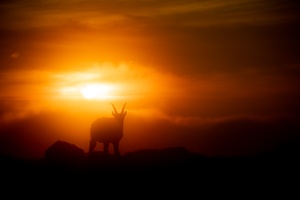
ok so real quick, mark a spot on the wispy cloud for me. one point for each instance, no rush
(23, 14)
(15, 55)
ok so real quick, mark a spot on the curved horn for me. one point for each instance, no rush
(114, 108)
(123, 108)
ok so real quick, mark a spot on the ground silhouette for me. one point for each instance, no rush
(65, 155)
(176, 167)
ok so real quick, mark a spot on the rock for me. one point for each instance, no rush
(62, 153)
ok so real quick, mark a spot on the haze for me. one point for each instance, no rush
(217, 77)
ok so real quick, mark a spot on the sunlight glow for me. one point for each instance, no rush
(107, 81)
(96, 91)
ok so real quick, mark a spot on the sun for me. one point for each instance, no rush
(89, 92)
(95, 91)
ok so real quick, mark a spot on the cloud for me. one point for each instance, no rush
(227, 136)
(29, 134)
(257, 92)
(149, 13)
(208, 60)
(15, 55)
(225, 36)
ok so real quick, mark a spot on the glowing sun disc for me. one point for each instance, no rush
(95, 91)
(89, 92)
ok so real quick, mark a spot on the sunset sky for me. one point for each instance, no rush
(217, 77)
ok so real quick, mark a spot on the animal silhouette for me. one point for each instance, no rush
(108, 130)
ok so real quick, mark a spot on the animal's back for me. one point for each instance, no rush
(106, 130)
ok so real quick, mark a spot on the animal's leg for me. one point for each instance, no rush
(105, 147)
(92, 145)
(116, 148)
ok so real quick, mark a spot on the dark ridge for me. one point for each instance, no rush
(64, 154)
(70, 164)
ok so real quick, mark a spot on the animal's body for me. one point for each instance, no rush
(108, 130)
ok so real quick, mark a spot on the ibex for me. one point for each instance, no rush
(108, 130)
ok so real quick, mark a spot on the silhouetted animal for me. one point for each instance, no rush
(108, 130)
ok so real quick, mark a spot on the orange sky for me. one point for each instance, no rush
(220, 78)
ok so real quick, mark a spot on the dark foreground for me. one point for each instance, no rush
(65, 166)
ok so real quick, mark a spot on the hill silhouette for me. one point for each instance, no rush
(65, 164)
(66, 168)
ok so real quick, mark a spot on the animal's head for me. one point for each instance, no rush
(119, 116)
